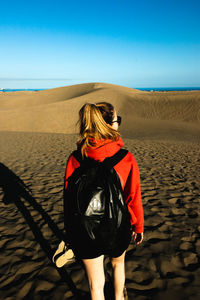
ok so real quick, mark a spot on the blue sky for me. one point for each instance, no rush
(146, 43)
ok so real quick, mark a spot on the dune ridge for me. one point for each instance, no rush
(145, 114)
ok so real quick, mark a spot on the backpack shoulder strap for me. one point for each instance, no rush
(110, 162)
(78, 156)
(116, 158)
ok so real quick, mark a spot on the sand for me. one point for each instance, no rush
(160, 129)
(168, 115)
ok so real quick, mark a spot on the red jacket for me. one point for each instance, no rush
(128, 172)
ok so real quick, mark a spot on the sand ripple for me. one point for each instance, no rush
(165, 266)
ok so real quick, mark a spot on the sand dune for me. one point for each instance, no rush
(161, 129)
(145, 114)
(34, 98)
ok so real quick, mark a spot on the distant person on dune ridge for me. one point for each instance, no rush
(112, 197)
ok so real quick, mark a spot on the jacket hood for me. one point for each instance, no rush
(104, 148)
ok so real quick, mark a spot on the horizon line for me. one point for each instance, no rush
(4, 78)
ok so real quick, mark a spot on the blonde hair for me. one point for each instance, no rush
(95, 123)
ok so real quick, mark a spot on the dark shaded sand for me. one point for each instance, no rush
(167, 264)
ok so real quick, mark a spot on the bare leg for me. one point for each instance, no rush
(119, 275)
(96, 277)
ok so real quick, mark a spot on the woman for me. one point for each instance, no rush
(99, 139)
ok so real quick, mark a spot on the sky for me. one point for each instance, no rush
(145, 43)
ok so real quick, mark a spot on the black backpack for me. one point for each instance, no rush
(94, 206)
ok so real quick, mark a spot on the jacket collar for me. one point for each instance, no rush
(104, 148)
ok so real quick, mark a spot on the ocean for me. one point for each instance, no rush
(19, 90)
(153, 89)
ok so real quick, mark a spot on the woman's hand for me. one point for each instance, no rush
(137, 237)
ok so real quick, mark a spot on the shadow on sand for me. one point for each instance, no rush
(14, 191)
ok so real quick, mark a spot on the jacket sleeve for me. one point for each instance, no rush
(132, 192)
(72, 164)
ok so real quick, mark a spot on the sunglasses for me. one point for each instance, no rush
(119, 120)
